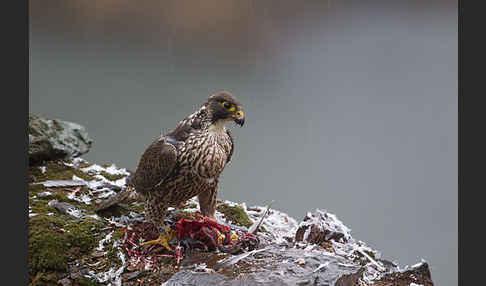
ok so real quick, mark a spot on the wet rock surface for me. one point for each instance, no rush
(418, 275)
(72, 244)
(51, 139)
(274, 265)
(321, 227)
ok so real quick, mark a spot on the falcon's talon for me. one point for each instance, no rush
(167, 234)
(162, 240)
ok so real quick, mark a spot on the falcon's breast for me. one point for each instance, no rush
(206, 153)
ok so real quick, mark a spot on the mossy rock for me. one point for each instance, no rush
(54, 241)
(57, 170)
(84, 281)
(42, 279)
(51, 139)
(112, 177)
(40, 205)
(235, 214)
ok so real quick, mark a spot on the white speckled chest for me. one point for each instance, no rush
(206, 153)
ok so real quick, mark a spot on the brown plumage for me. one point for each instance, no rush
(187, 161)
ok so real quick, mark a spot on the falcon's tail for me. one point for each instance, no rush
(126, 196)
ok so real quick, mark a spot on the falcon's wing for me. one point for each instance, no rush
(157, 163)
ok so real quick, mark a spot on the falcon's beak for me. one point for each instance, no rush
(239, 117)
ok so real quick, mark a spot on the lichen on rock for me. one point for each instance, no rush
(234, 213)
(51, 139)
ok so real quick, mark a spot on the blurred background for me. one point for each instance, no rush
(351, 106)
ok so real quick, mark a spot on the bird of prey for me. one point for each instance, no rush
(185, 162)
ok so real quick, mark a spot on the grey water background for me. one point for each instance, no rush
(351, 106)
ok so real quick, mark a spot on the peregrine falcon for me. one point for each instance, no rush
(187, 161)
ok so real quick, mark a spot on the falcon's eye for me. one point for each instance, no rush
(228, 105)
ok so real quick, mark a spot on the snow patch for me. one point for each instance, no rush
(112, 276)
(325, 220)
(62, 183)
(74, 212)
(44, 194)
(101, 243)
(84, 198)
(279, 224)
(75, 162)
(112, 169)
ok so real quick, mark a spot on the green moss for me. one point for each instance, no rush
(34, 189)
(117, 235)
(111, 177)
(82, 164)
(235, 214)
(57, 170)
(262, 229)
(40, 205)
(112, 254)
(112, 251)
(52, 250)
(42, 279)
(84, 281)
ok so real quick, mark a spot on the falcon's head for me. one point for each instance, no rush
(223, 107)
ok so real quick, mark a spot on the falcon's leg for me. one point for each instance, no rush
(166, 235)
(207, 202)
(155, 213)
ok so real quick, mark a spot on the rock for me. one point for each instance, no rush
(274, 265)
(320, 227)
(419, 275)
(44, 194)
(51, 139)
(189, 278)
(65, 282)
(75, 275)
(105, 248)
(350, 279)
(65, 208)
(131, 275)
(110, 186)
(62, 183)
